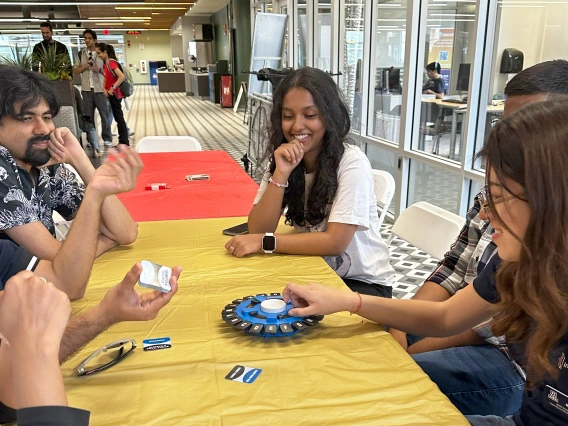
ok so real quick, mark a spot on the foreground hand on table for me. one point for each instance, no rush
(33, 313)
(317, 299)
(241, 245)
(33, 316)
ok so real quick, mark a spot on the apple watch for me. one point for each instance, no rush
(269, 242)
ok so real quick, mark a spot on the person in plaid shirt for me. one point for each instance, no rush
(474, 369)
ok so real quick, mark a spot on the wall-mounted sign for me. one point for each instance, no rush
(133, 32)
(143, 66)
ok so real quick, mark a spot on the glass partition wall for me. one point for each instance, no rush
(424, 80)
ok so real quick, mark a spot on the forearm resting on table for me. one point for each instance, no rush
(81, 329)
(71, 268)
(332, 242)
(116, 223)
(104, 244)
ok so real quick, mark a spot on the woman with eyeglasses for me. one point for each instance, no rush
(524, 287)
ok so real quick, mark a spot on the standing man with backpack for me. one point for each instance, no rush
(113, 78)
(92, 86)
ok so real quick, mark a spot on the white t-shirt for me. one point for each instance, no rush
(367, 256)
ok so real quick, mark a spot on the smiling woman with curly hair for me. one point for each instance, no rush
(324, 185)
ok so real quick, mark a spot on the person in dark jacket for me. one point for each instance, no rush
(48, 42)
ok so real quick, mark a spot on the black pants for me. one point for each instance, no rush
(378, 290)
(115, 104)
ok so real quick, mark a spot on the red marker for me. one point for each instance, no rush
(156, 186)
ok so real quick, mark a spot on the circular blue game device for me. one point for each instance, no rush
(266, 315)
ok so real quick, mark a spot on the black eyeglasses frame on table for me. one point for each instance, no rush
(80, 369)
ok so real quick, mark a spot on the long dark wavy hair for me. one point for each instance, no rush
(335, 116)
(531, 148)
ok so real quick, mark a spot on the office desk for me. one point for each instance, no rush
(229, 192)
(459, 109)
(342, 371)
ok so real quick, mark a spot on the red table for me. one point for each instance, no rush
(229, 192)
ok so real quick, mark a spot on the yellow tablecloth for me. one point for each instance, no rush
(343, 371)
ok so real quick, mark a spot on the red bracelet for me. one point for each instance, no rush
(359, 306)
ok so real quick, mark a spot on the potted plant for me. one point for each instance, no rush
(57, 68)
(18, 59)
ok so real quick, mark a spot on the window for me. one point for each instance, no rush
(353, 59)
(539, 30)
(474, 188)
(448, 59)
(284, 11)
(324, 36)
(385, 99)
(302, 22)
(433, 185)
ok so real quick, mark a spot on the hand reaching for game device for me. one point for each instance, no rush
(313, 299)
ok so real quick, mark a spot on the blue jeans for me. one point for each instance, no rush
(476, 379)
(93, 139)
(490, 421)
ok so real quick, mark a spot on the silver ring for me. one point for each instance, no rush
(43, 279)
(232, 248)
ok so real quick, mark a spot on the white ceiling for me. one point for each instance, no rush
(207, 7)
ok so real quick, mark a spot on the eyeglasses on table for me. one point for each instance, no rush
(106, 357)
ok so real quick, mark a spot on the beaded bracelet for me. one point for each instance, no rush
(359, 306)
(279, 185)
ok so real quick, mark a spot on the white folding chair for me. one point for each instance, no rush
(384, 191)
(427, 227)
(62, 226)
(167, 144)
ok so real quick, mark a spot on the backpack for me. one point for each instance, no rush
(127, 86)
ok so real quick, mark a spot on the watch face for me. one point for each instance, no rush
(269, 243)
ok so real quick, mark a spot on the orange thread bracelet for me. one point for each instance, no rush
(359, 306)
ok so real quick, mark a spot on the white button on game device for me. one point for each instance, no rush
(273, 306)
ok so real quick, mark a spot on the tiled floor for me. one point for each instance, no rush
(154, 113)
(412, 266)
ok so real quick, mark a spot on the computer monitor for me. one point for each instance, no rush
(388, 80)
(462, 84)
(162, 64)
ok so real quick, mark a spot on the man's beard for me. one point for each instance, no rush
(36, 157)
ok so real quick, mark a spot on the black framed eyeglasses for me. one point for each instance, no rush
(106, 357)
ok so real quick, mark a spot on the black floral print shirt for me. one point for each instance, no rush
(27, 197)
